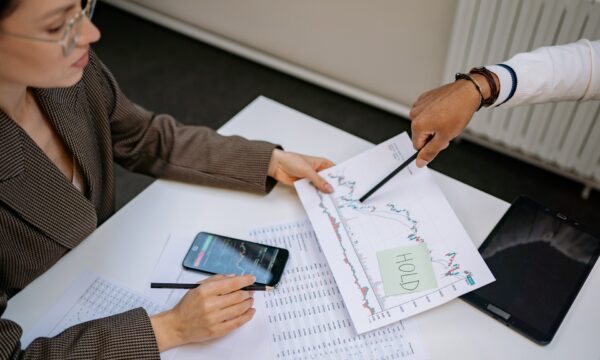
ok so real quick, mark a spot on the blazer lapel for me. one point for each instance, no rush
(12, 162)
(34, 187)
(66, 110)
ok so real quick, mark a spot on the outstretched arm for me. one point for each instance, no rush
(554, 73)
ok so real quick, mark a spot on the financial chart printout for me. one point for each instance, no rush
(410, 209)
(306, 317)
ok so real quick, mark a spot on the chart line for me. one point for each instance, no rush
(345, 226)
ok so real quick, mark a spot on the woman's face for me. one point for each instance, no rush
(42, 64)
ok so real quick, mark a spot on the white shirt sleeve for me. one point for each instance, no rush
(551, 73)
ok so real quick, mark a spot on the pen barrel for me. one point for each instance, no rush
(387, 178)
(193, 286)
(255, 288)
(172, 286)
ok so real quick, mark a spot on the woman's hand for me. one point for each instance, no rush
(209, 311)
(441, 114)
(288, 167)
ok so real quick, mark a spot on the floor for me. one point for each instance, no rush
(200, 84)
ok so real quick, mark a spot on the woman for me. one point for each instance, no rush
(63, 119)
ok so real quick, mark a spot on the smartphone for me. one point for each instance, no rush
(217, 254)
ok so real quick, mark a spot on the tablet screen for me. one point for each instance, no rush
(540, 261)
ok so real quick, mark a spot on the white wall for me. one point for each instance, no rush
(393, 49)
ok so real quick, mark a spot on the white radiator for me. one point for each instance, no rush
(562, 137)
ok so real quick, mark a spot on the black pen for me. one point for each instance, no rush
(391, 175)
(254, 287)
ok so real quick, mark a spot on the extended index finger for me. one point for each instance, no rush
(420, 132)
(430, 150)
(420, 136)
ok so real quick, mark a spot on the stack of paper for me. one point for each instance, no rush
(401, 252)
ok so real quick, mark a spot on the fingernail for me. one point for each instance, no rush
(253, 278)
(421, 163)
(252, 293)
(328, 188)
(230, 275)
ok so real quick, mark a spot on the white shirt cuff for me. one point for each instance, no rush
(506, 83)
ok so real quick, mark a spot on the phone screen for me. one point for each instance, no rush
(218, 254)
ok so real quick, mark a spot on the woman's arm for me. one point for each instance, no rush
(124, 336)
(158, 145)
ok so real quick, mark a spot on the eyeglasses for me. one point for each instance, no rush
(71, 30)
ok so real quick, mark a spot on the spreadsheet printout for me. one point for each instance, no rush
(306, 315)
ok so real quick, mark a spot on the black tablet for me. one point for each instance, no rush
(540, 259)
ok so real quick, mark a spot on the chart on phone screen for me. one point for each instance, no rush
(409, 210)
(306, 317)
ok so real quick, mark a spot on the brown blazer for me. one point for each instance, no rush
(43, 216)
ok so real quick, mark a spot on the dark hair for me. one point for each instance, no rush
(7, 7)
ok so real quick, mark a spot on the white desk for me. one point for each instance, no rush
(127, 246)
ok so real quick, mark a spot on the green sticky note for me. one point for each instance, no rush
(406, 269)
